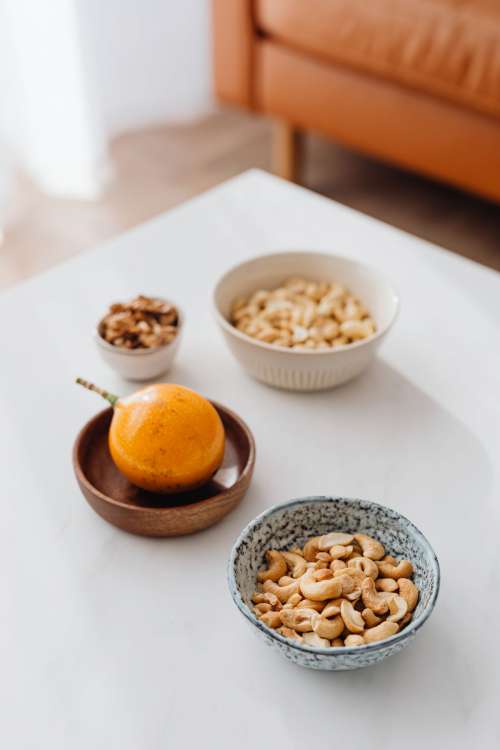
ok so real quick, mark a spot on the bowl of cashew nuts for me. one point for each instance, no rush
(334, 583)
(304, 321)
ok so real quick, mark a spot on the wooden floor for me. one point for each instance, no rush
(158, 168)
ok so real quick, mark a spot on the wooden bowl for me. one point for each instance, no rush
(137, 511)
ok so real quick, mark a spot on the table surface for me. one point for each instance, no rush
(114, 641)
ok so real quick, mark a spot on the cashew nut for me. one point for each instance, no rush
(354, 595)
(296, 563)
(318, 591)
(272, 599)
(282, 592)
(258, 598)
(373, 599)
(390, 559)
(371, 547)
(311, 548)
(260, 609)
(276, 567)
(289, 633)
(299, 619)
(356, 575)
(327, 628)
(271, 619)
(348, 583)
(370, 618)
(357, 329)
(338, 551)
(337, 565)
(356, 551)
(364, 565)
(294, 600)
(332, 608)
(409, 592)
(380, 632)
(354, 555)
(324, 556)
(285, 580)
(398, 607)
(403, 569)
(317, 565)
(351, 617)
(320, 565)
(353, 310)
(386, 584)
(322, 574)
(406, 619)
(313, 639)
(337, 643)
(308, 604)
(354, 640)
(333, 538)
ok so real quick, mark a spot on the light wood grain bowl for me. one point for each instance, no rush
(134, 510)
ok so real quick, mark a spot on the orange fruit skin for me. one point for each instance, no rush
(166, 438)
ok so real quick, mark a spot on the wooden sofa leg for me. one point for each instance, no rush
(286, 151)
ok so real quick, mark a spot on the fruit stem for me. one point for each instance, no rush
(91, 387)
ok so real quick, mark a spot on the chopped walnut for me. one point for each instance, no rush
(142, 323)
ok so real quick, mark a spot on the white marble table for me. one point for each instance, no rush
(112, 641)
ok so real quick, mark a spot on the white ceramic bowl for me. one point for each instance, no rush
(302, 370)
(140, 364)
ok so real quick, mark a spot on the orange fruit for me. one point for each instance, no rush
(165, 438)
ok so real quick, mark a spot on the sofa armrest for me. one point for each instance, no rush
(234, 39)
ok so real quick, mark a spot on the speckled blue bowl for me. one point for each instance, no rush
(284, 526)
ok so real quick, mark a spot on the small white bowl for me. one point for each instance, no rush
(140, 364)
(302, 370)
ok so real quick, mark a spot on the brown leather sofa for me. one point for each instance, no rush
(412, 82)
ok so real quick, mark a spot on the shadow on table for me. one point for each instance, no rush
(387, 431)
(428, 687)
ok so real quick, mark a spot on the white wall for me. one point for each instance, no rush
(73, 73)
(10, 135)
(9, 110)
(57, 133)
(151, 59)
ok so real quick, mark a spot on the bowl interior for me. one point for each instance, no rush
(294, 523)
(96, 467)
(270, 271)
(101, 341)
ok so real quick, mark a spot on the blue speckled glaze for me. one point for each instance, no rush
(293, 523)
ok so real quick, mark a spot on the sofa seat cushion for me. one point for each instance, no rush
(447, 48)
